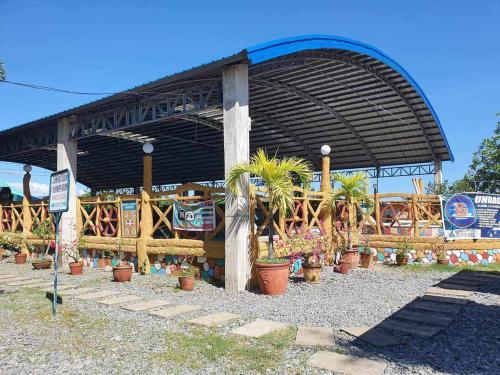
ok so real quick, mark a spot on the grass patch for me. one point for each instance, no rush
(196, 347)
(434, 267)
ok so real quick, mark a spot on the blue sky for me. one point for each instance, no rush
(449, 47)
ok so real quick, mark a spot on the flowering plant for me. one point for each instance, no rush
(307, 245)
(12, 241)
(70, 249)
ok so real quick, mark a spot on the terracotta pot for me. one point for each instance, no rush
(352, 257)
(312, 274)
(101, 263)
(20, 258)
(41, 265)
(107, 262)
(344, 267)
(76, 268)
(273, 278)
(366, 260)
(402, 261)
(186, 282)
(443, 262)
(122, 273)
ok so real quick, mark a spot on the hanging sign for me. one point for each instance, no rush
(59, 191)
(129, 222)
(194, 217)
(471, 215)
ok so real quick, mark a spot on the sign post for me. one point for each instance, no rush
(58, 203)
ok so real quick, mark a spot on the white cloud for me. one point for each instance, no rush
(37, 189)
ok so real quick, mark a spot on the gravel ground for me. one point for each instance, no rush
(471, 344)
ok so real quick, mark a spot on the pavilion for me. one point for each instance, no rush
(290, 96)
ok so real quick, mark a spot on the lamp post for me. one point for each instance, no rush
(147, 159)
(325, 169)
(26, 182)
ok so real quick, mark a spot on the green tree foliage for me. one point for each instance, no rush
(2, 70)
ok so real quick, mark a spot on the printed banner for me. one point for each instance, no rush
(194, 217)
(129, 210)
(471, 215)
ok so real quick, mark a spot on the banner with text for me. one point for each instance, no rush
(471, 215)
(194, 217)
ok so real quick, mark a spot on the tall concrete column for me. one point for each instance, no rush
(236, 150)
(66, 159)
(438, 171)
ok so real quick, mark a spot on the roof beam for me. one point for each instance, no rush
(303, 94)
(285, 129)
(217, 125)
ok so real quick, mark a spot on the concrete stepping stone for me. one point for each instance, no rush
(96, 295)
(465, 282)
(120, 300)
(494, 276)
(7, 276)
(15, 278)
(458, 287)
(215, 320)
(448, 292)
(173, 311)
(59, 287)
(425, 331)
(75, 292)
(455, 301)
(315, 336)
(41, 284)
(471, 277)
(435, 307)
(346, 364)
(373, 336)
(24, 282)
(427, 317)
(259, 327)
(145, 305)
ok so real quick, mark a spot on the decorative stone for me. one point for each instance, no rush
(170, 312)
(211, 262)
(259, 327)
(157, 266)
(346, 364)
(205, 266)
(464, 256)
(108, 268)
(168, 271)
(314, 336)
(220, 261)
(217, 319)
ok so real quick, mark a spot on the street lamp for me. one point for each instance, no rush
(27, 168)
(148, 148)
(325, 150)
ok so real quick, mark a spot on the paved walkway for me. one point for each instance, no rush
(424, 317)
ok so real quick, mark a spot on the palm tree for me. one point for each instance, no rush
(353, 189)
(277, 175)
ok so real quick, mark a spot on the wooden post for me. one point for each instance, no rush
(147, 178)
(326, 188)
(414, 203)
(79, 222)
(27, 223)
(377, 213)
(146, 229)
(305, 210)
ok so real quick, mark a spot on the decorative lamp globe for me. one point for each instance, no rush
(325, 150)
(147, 148)
(27, 168)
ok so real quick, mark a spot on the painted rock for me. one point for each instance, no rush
(490, 259)
(108, 268)
(464, 256)
(168, 271)
(484, 262)
(479, 257)
(157, 266)
(201, 260)
(161, 271)
(220, 261)
(456, 252)
(429, 256)
(205, 266)
(210, 272)
(473, 258)
(217, 271)
(474, 251)
(425, 260)
(169, 258)
(380, 256)
(222, 271)
(173, 267)
(152, 269)
(211, 262)
(184, 264)
(393, 257)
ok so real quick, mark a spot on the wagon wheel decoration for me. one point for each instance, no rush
(296, 216)
(6, 219)
(341, 215)
(392, 214)
(108, 221)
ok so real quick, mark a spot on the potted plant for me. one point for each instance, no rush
(108, 255)
(441, 256)
(44, 230)
(353, 190)
(14, 243)
(122, 272)
(403, 252)
(277, 176)
(72, 251)
(366, 253)
(186, 278)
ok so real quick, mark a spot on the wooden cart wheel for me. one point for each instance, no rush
(392, 214)
(108, 221)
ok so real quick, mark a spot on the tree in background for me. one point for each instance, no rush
(2, 70)
(483, 174)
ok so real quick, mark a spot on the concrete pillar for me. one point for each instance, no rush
(66, 159)
(326, 187)
(236, 150)
(438, 171)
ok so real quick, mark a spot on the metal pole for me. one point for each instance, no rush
(57, 218)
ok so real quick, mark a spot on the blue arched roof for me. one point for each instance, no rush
(280, 47)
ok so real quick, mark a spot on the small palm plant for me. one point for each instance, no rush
(277, 175)
(353, 189)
